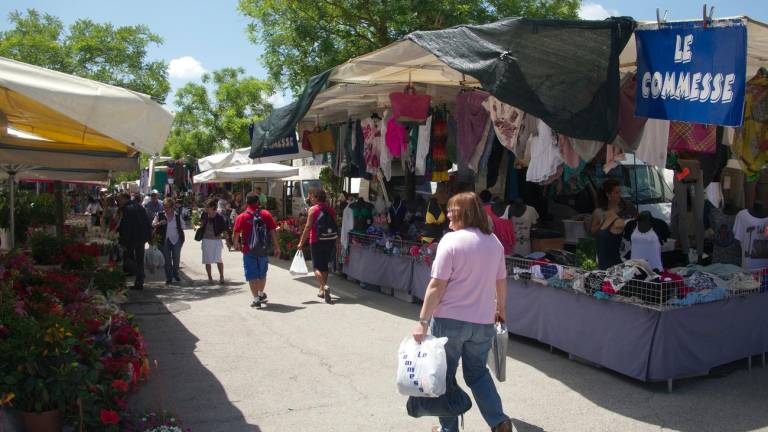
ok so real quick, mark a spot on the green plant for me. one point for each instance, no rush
(46, 249)
(332, 184)
(586, 251)
(42, 209)
(108, 280)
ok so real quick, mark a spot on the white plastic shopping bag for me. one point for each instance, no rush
(421, 367)
(299, 265)
(153, 259)
(497, 356)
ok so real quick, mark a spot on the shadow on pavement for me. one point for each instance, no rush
(696, 404)
(179, 382)
(279, 308)
(522, 426)
(188, 289)
(345, 292)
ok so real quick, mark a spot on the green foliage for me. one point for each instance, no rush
(586, 251)
(305, 37)
(98, 51)
(30, 210)
(205, 120)
(109, 280)
(47, 249)
(332, 184)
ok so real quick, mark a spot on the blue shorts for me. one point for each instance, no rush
(255, 267)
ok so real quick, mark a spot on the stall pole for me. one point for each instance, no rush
(58, 191)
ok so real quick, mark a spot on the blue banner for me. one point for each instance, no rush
(693, 74)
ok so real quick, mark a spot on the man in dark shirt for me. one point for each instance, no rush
(135, 231)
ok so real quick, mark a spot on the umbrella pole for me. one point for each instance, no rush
(12, 209)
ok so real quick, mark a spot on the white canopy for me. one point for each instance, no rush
(78, 113)
(757, 44)
(240, 157)
(244, 172)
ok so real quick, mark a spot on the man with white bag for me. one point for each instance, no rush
(465, 298)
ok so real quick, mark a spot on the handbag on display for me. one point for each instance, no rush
(322, 141)
(409, 107)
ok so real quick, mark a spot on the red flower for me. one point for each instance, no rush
(92, 325)
(120, 385)
(121, 403)
(125, 336)
(109, 416)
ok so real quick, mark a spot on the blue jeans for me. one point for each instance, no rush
(172, 256)
(470, 342)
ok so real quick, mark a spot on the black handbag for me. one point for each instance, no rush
(453, 403)
(199, 233)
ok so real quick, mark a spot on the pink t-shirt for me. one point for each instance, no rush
(471, 262)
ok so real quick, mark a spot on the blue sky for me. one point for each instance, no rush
(204, 35)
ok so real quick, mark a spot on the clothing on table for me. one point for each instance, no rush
(434, 222)
(751, 139)
(630, 126)
(683, 194)
(471, 262)
(371, 136)
(648, 247)
(503, 229)
(751, 232)
(692, 137)
(471, 121)
(396, 137)
(545, 155)
(440, 162)
(506, 121)
(422, 146)
(523, 226)
(652, 147)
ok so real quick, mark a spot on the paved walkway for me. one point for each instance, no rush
(302, 365)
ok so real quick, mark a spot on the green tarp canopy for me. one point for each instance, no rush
(563, 72)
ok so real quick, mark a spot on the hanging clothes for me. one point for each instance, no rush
(545, 155)
(371, 137)
(751, 232)
(434, 222)
(477, 156)
(751, 139)
(339, 154)
(613, 155)
(452, 137)
(692, 137)
(726, 249)
(472, 123)
(586, 149)
(569, 155)
(529, 130)
(422, 146)
(646, 246)
(396, 137)
(506, 121)
(494, 163)
(732, 181)
(360, 150)
(440, 162)
(385, 157)
(652, 147)
(630, 126)
(488, 147)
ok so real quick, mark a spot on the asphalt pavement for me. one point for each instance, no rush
(299, 364)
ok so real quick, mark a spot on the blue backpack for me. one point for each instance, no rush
(260, 243)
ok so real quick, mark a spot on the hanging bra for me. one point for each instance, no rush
(431, 219)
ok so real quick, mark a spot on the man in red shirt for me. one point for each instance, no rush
(255, 266)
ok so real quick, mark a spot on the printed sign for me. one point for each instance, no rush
(689, 73)
(284, 146)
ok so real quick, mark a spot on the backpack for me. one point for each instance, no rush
(326, 226)
(260, 243)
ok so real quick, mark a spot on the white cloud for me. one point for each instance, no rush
(279, 100)
(185, 68)
(595, 11)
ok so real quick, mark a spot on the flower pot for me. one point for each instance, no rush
(48, 421)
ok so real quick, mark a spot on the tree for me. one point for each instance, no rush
(98, 51)
(207, 122)
(302, 38)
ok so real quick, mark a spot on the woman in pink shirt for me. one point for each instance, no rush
(464, 299)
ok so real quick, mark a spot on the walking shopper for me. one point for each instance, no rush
(168, 225)
(465, 296)
(135, 230)
(213, 227)
(154, 206)
(323, 233)
(255, 234)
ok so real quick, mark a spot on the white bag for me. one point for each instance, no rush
(153, 259)
(421, 368)
(299, 265)
(497, 355)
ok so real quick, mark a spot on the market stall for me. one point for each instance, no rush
(544, 150)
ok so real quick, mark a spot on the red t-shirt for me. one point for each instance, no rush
(244, 224)
(315, 210)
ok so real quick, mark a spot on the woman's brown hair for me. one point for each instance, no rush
(467, 212)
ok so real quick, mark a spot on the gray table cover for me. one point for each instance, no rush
(375, 268)
(420, 279)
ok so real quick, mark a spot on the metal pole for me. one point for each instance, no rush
(12, 207)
